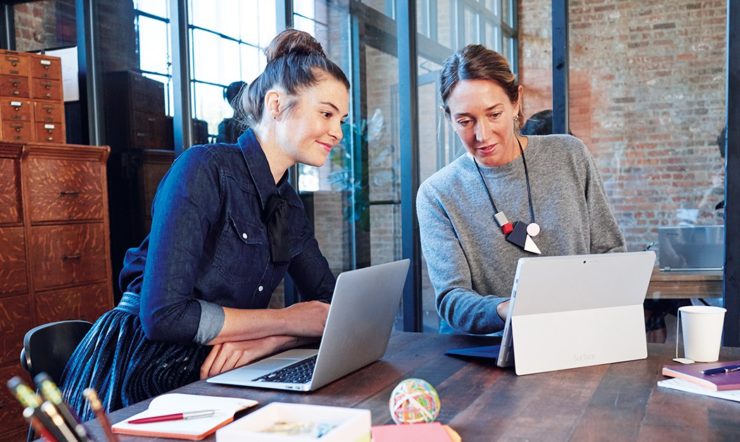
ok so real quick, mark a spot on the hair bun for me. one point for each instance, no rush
(293, 41)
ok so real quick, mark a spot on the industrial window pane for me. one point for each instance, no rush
(221, 16)
(215, 59)
(252, 62)
(154, 7)
(209, 105)
(153, 45)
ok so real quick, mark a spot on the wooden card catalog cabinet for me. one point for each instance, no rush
(54, 246)
(31, 98)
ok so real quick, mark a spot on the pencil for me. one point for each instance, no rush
(29, 398)
(31, 416)
(51, 393)
(92, 396)
(51, 411)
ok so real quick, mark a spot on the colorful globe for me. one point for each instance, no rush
(414, 401)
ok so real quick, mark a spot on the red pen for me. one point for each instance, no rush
(173, 417)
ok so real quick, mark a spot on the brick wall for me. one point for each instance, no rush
(35, 25)
(647, 87)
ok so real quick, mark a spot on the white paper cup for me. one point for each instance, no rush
(702, 331)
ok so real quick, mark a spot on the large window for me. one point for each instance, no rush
(227, 39)
(153, 43)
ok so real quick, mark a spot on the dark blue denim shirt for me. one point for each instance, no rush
(208, 246)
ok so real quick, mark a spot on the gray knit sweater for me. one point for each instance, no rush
(471, 265)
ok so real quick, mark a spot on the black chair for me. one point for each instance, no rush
(47, 348)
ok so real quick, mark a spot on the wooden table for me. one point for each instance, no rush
(683, 285)
(485, 403)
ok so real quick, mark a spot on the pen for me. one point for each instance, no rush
(173, 417)
(721, 370)
(92, 396)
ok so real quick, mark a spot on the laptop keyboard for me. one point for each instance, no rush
(298, 373)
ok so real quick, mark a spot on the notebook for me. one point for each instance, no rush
(356, 334)
(190, 429)
(429, 432)
(716, 382)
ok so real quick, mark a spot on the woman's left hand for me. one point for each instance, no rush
(230, 355)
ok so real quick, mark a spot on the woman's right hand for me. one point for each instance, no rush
(230, 355)
(306, 318)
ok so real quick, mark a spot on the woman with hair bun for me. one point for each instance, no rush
(226, 227)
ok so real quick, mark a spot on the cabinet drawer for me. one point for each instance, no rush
(61, 190)
(13, 64)
(48, 112)
(11, 86)
(67, 254)
(50, 133)
(46, 89)
(15, 110)
(10, 194)
(86, 302)
(147, 131)
(16, 318)
(46, 67)
(13, 259)
(17, 131)
(147, 95)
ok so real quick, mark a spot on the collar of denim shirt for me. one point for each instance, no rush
(259, 168)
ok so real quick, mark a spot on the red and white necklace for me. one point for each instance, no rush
(518, 233)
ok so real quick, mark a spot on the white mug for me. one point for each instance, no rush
(702, 331)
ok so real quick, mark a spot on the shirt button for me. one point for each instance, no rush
(260, 288)
(245, 236)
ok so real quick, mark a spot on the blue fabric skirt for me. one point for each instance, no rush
(123, 366)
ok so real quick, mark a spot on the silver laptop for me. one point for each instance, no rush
(356, 334)
(576, 311)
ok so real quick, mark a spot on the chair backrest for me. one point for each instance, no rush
(47, 348)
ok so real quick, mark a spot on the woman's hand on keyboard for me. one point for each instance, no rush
(229, 355)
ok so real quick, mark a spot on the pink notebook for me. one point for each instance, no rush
(432, 432)
(715, 382)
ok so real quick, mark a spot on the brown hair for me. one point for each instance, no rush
(476, 62)
(294, 61)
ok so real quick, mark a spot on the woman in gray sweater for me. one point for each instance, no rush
(509, 197)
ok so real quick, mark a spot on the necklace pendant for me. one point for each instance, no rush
(503, 222)
(533, 229)
(520, 238)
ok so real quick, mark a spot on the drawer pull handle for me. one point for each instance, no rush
(69, 193)
(71, 257)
